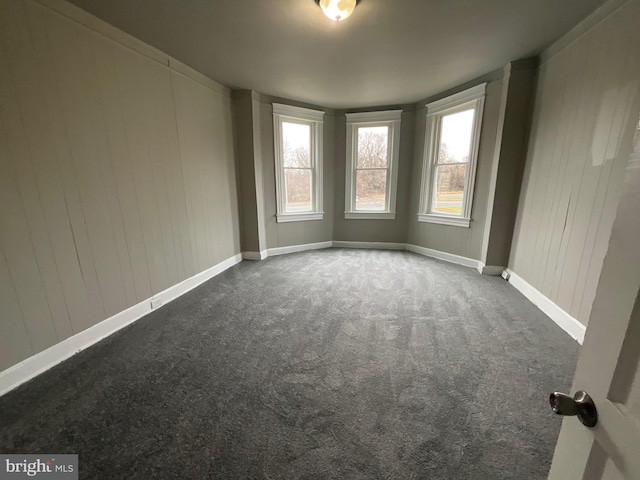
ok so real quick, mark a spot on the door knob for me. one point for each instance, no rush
(580, 405)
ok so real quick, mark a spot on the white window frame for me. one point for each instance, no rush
(315, 120)
(471, 98)
(391, 119)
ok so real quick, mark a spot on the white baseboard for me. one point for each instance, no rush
(565, 321)
(254, 256)
(33, 366)
(447, 257)
(372, 245)
(39, 363)
(428, 252)
(491, 270)
(298, 248)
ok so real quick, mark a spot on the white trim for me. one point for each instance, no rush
(466, 96)
(198, 77)
(370, 245)
(96, 25)
(254, 256)
(391, 119)
(299, 248)
(374, 117)
(298, 112)
(444, 220)
(364, 215)
(447, 257)
(602, 13)
(491, 270)
(471, 98)
(43, 361)
(314, 119)
(427, 252)
(565, 321)
(100, 27)
(299, 217)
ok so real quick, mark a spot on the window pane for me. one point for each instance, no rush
(296, 145)
(298, 187)
(449, 189)
(455, 137)
(373, 147)
(371, 189)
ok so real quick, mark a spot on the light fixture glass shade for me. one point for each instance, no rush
(338, 9)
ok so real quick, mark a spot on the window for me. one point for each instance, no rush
(298, 154)
(373, 143)
(451, 154)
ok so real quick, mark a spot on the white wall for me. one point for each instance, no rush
(585, 116)
(116, 174)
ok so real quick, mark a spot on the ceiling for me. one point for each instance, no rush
(388, 52)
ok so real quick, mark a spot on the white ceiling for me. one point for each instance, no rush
(388, 52)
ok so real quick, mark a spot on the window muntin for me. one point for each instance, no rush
(451, 150)
(372, 170)
(298, 158)
(452, 162)
(372, 156)
(298, 167)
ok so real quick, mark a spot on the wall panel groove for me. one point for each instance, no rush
(112, 169)
(586, 113)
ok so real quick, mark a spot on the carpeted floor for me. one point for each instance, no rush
(345, 364)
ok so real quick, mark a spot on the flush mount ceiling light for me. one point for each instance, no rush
(337, 9)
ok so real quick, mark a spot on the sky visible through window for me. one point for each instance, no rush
(296, 135)
(455, 146)
(296, 140)
(371, 168)
(456, 135)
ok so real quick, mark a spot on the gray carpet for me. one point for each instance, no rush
(347, 364)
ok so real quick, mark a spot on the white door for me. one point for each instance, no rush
(609, 364)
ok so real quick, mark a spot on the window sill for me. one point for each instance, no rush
(444, 220)
(299, 217)
(370, 215)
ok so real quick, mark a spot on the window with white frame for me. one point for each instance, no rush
(450, 158)
(373, 144)
(298, 155)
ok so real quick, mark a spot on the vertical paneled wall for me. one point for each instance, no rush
(584, 120)
(116, 177)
